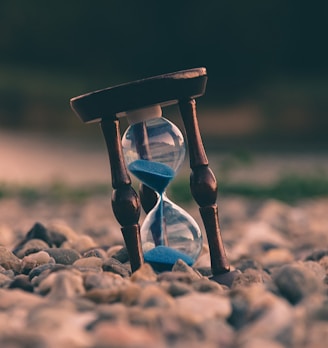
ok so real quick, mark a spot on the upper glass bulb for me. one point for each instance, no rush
(153, 138)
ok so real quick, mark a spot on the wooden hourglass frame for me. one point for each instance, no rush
(180, 87)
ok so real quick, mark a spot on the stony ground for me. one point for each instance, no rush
(65, 280)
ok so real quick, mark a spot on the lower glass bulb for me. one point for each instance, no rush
(168, 234)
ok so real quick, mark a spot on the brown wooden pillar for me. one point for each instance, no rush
(125, 201)
(204, 187)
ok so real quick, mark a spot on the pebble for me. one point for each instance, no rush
(39, 231)
(144, 274)
(154, 296)
(249, 277)
(68, 323)
(317, 255)
(63, 256)
(62, 285)
(80, 244)
(8, 260)
(181, 266)
(34, 260)
(264, 315)
(16, 298)
(176, 288)
(119, 253)
(296, 281)
(97, 252)
(324, 263)
(21, 282)
(131, 294)
(89, 263)
(62, 229)
(207, 286)
(37, 271)
(4, 280)
(104, 280)
(115, 266)
(201, 306)
(31, 246)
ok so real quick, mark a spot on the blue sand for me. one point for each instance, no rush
(154, 174)
(163, 258)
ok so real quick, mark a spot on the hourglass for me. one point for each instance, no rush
(152, 150)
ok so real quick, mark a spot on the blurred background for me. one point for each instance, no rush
(267, 63)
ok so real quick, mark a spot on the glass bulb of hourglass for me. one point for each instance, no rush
(154, 150)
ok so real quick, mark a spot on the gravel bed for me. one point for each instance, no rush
(65, 280)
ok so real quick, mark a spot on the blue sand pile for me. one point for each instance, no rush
(163, 258)
(154, 174)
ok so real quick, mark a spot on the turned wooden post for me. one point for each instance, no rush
(203, 187)
(125, 201)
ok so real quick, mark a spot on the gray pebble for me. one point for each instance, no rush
(35, 272)
(207, 286)
(121, 254)
(248, 263)
(97, 252)
(63, 256)
(57, 238)
(176, 288)
(296, 281)
(115, 266)
(21, 282)
(317, 255)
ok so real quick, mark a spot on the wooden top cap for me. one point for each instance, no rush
(162, 89)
